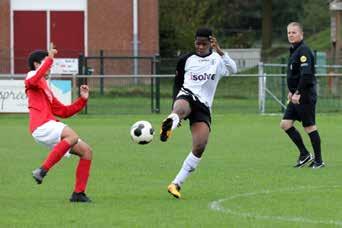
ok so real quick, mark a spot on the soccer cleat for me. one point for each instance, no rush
(79, 197)
(166, 129)
(38, 175)
(317, 165)
(174, 190)
(303, 160)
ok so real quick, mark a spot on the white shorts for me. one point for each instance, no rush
(49, 134)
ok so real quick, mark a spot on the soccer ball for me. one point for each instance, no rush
(142, 132)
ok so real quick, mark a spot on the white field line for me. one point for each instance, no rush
(217, 206)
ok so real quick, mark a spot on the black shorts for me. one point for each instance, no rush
(306, 113)
(199, 111)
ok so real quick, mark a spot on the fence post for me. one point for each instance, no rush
(82, 64)
(152, 94)
(157, 95)
(262, 87)
(101, 72)
(152, 85)
(283, 89)
(157, 81)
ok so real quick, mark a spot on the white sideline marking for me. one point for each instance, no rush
(216, 206)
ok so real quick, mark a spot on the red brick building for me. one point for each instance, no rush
(76, 27)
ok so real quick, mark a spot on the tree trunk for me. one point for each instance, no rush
(266, 24)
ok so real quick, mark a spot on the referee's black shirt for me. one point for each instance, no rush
(301, 72)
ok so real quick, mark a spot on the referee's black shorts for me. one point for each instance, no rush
(199, 111)
(306, 113)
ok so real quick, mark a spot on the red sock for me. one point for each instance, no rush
(56, 154)
(82, 175)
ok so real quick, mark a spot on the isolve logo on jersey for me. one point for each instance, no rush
(201, 77)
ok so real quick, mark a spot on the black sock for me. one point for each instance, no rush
(297, 139)
(316, 145)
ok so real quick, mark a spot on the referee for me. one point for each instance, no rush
(302, 97)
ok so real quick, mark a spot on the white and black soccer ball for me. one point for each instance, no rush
(142, 132)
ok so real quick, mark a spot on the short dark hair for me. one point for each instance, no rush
(204, 32)
(36, 56)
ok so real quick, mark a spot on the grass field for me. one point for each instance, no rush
(246, 178)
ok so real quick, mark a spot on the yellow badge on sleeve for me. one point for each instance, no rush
(303, 58)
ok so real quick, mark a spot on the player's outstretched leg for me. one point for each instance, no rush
(166, 129)
(168, 125)
(38, 175)
(54, 156)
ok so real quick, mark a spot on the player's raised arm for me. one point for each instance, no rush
(40, 63)
(229, 63)
(84, 92)
(52, 51)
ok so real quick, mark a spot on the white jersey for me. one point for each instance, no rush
(199, 76)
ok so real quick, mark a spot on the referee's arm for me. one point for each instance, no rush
(307, 62)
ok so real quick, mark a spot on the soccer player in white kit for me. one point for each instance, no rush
(197, 77)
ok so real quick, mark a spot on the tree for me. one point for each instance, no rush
(266, 24)
(317, 11)
(233, 21)
(178, 21)
(236, 23)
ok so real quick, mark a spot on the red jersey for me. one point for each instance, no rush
(42, 104)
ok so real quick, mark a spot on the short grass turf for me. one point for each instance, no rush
(245, 178)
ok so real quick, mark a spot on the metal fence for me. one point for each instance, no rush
(273, 88)
(262, 90)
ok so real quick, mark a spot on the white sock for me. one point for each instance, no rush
(175, 120)
(189, 165)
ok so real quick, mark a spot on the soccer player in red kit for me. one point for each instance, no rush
(47, 130)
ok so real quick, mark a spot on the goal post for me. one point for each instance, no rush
(272, 87)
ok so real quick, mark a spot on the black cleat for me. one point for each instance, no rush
(38, 175)
(303, 160)
(317, 165)
(166, 129)
(79, 197)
